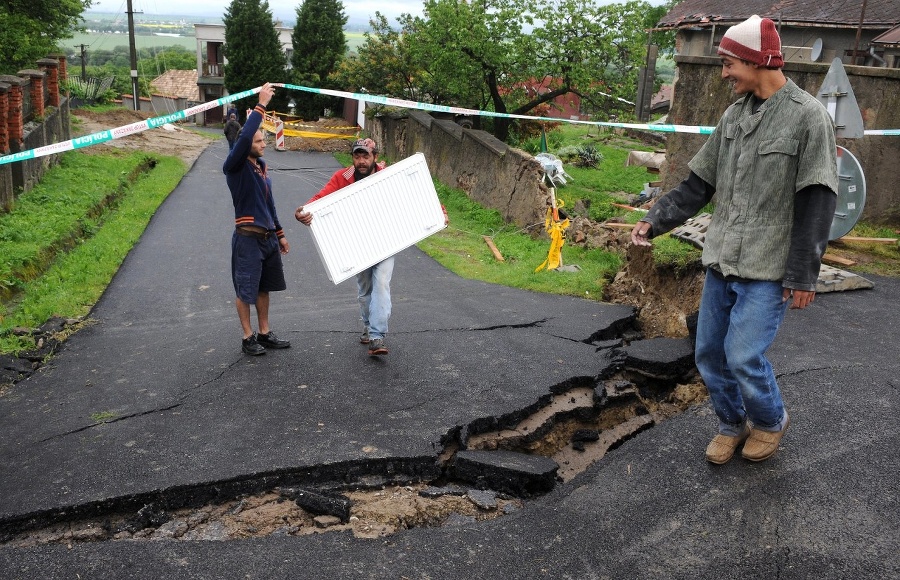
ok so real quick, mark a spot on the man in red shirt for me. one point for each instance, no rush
(374, 284)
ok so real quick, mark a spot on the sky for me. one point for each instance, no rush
(356, 10)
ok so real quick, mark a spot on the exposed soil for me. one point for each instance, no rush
(666, 299)
(172, 139)
(330, 125)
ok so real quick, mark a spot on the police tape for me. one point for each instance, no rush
(124, 131)
(660, 127)
(154, 122)
(394, 102)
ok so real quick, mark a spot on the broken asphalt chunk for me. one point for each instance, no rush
(321, 503)
(506, 471)
(670, 359)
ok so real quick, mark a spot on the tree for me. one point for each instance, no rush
(319, 46)
(385, 64)
(254, 51)
(595, 50)
(487, 54)
(30, 29)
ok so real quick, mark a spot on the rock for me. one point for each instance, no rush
(214, 531)
(435, 492)
(89, 534)
(326, 521)
(171, 529)
(455, 519)
(484, 499)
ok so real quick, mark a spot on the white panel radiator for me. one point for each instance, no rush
(373, 219)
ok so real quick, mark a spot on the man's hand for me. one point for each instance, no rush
(801, 298)
(265, 94)
(640, 234)
(303, 217)
(285, 246)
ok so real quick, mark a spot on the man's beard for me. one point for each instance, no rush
(357, 174)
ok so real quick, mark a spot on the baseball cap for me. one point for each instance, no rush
(363, 145)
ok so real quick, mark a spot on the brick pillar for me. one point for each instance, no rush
(63, 68)
(50, 66)
(4, 116)
(15, 124)
(37, 90)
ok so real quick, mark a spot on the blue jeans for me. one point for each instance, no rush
(738, 322)
(374, 286)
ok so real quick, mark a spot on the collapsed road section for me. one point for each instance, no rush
(485, 469)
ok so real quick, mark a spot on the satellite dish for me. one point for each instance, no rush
(851, 194)
(816, 52)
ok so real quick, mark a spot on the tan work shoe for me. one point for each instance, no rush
(762, 445)
(722, 447)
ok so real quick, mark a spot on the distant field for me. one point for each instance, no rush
(354, 40)
(106, 41)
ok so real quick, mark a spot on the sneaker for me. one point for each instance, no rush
(252, 347)
(722, 447)
(762, 445)
(377, 348)
(272, 341)
(364, 337)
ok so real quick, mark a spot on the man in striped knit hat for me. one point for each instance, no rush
(771, 164)
(258, 240)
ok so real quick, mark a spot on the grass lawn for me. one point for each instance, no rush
(67, 237)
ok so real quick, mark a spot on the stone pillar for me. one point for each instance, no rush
(4, 117)
(15, 124)
(50, 66)
(37, 90)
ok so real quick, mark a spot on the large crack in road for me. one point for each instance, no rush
(483, 470)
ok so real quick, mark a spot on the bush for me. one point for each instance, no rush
(588, 156)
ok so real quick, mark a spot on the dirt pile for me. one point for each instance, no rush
(171, 139)
(339, 144)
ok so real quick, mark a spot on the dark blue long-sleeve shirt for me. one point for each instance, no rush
(251, 188)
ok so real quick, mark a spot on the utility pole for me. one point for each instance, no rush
(83, 59)
(135, 92)
(862, 19)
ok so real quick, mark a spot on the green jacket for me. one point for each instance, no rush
(757, 163)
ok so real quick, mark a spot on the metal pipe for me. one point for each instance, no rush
(875, 56)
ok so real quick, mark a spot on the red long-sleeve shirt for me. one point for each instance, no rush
(341, 178)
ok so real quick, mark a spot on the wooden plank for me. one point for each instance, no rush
(618, 225)
(493, 248)
(867, 240)
(837, 260)
(628, 207)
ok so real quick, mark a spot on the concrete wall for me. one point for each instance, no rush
(701, 97)
(489, 171)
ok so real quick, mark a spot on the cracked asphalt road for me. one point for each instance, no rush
(163, 360)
